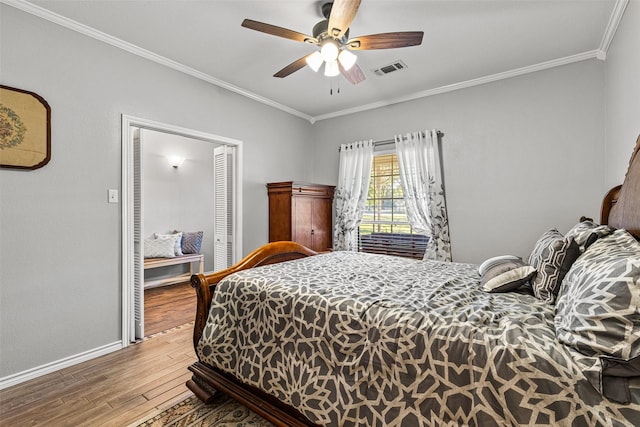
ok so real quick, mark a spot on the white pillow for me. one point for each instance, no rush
(161, 247)
(177, 237)
(494, 260)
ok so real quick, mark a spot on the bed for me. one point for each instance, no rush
(362, 339)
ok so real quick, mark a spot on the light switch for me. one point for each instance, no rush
(113, 196)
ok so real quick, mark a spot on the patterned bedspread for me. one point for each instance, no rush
(361, 339)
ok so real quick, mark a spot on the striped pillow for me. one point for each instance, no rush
(191, 242)
(506, 275)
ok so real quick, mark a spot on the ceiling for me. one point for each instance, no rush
(465, 43)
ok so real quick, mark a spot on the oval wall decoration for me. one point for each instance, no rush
(25, 129)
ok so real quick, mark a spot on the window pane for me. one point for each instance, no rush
(385, 218)
(366, 229)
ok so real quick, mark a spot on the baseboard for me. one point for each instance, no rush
(39, 371)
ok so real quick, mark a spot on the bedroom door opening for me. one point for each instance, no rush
(133, 229)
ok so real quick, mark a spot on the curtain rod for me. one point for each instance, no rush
(393, 141)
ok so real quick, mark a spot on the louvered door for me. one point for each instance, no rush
(224, 161)
(137, 328)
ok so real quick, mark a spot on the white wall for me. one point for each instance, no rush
(60, 271)
(622, 88)
(521, 155)
(170, 195)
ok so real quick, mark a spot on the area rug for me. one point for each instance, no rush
(191, 412)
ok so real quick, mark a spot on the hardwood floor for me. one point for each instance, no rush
(121, 387)
(113, 390)
(168, 306)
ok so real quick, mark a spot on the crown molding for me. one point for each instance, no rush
(612, 27)
(43, 13)
(466, 84)
(600, 53)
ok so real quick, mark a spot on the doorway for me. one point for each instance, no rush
(133, 233)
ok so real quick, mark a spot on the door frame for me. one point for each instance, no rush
(129, 123)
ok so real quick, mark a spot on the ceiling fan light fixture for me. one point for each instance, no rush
(331, 69)
(347, 59)
(314, 61)
(331, 35)
(329, 51)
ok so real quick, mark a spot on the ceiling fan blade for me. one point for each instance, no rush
(277, 31)
(342, 14)
(293, 67)
(386, 40)
(355, 74)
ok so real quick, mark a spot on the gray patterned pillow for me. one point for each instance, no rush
(191, 242)
(552, 257)
(585, 233)
(599, 301)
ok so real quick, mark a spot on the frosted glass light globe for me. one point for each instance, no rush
(329, 51)
(347, 59)
(315, 61)
(331, 69)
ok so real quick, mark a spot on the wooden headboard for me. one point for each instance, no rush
(621, 205)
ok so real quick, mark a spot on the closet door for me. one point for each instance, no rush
(137, 327)
(223, 212)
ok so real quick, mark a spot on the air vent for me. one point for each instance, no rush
(394, 66)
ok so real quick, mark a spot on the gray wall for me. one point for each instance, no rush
(521, 155)
(622, 88)
(60, 271)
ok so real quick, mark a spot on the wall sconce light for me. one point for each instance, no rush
(175, 161)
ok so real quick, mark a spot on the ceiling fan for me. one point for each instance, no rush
(332, 36)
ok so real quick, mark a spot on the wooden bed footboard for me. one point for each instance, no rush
(207, 380)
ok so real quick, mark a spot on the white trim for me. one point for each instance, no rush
(54, 366)
(612, 27)
(237, 230)
(144, 53)
(469, 83)
(127, 201)
(600, 53)
(127, 248)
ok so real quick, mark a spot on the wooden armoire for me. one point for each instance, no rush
(302, 213)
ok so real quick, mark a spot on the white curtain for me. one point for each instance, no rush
(351, 193)
(421, 178)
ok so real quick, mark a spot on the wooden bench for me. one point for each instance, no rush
(164, 262)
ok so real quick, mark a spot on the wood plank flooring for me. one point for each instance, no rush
(168, 306)
(119, 388)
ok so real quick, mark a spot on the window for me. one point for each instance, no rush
(385, 227)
